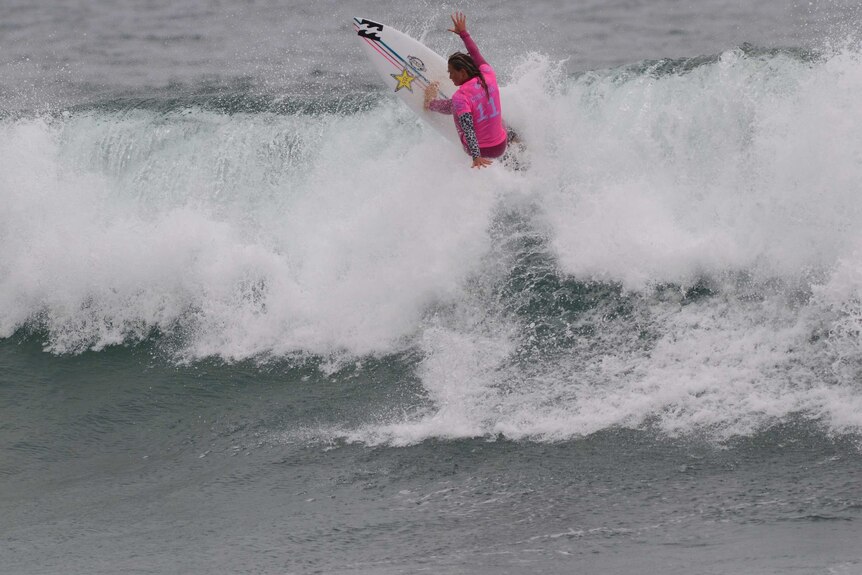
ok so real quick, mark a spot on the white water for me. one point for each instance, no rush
(264, 235)
(747, 165)
(260, 235)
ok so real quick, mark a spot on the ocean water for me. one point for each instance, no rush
(256, 318)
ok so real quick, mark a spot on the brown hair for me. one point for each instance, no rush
(461, 61)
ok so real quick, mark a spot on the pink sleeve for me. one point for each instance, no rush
(472, 49)
(440, 106)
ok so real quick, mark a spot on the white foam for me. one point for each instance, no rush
(746, 165)
(110, 231)
(266, 235)
(748, 162)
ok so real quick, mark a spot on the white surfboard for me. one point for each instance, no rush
(407, 66)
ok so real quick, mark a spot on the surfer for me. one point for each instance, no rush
(476, 104)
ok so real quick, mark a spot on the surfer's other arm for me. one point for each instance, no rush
(443, 106)
(472, 143)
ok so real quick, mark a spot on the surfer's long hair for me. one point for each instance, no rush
(461, 61)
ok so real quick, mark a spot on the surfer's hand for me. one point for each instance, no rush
(481, 162)
(430, 93)
(460, 22)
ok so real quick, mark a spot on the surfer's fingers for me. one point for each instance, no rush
(459, 20)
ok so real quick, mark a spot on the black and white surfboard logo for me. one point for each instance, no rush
(370, 29)
(417, 64)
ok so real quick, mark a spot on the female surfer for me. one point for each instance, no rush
(476, 104)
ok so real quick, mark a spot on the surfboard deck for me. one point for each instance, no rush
(407, 66)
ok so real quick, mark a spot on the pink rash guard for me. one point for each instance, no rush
(489, 132)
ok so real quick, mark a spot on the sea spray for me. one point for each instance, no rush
(680, 254)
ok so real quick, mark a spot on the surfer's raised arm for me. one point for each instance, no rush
(459, 21)
(459, 26)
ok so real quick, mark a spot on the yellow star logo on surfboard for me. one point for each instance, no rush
(404, 80)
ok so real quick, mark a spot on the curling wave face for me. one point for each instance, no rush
(682, 253)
